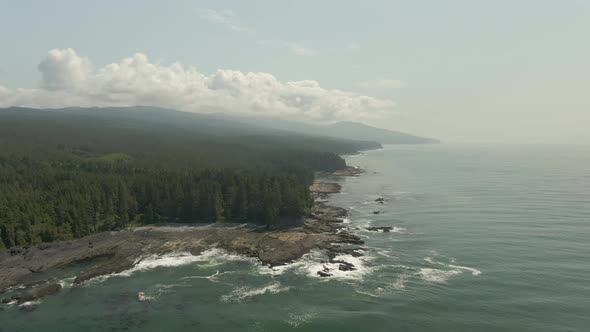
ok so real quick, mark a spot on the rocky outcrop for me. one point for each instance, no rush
(116, 264)
(13, 274)
(113, 252)
(346, 266)
(34, 293)
(349, 171)
(325, 272)
(325, 188)
(380, 200)
(323, 211)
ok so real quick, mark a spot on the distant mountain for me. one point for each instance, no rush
(43, 126)
(222, 125)
(340, 130)
(353, 130)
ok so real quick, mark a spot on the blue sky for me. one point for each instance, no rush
(462, 71)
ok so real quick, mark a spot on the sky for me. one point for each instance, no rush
(472, 71)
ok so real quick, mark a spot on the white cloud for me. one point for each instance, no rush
(383, 84)
(63, 69)
(68, 81)
(225, 17)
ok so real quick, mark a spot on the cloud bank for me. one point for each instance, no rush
(68, 79)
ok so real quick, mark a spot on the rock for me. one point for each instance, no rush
(315, 225)
(350, 238)
(12, 276)
(345, 266)
(349, 171)
(115, 264)
(28, 307)
(35, 293)
(330, 219)
(377, 212)
(321, 210)
(325, 188)
(385, 229)
(325, 272)
(380, 200)
(334, 251)
(39, 283)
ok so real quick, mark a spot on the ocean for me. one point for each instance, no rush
(484, 238)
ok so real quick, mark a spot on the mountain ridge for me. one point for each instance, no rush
(224, 122)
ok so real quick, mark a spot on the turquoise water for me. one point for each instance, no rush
(486, 238)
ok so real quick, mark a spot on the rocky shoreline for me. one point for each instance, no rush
(113, 252)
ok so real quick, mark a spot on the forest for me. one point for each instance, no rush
(69, 173)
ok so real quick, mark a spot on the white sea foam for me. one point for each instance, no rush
(316, 261)
(389, 289)
(11, 302)
(141, 296)
(241, 294)
(67, 282)
(400, 283)
(386, 253)
(474, 272)
(436, 275)
(17, 287)
(213, 278)
(298, 319)
(354, 208)
(29, 304)
(375, 293)
(393, 230)
(212, 257)
(156, 261)
(361, 223)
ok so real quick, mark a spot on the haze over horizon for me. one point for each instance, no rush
(459, 71)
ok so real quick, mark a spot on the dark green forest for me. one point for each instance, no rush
(73, 172)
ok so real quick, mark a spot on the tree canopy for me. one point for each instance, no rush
(65, 175)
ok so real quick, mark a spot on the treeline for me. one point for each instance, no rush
(69, 173)
(49, 201)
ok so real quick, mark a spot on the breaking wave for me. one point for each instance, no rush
(316, 260)
(241, 294)
(211, 257)
(440, 275)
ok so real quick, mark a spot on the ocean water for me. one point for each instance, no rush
(485, 238)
